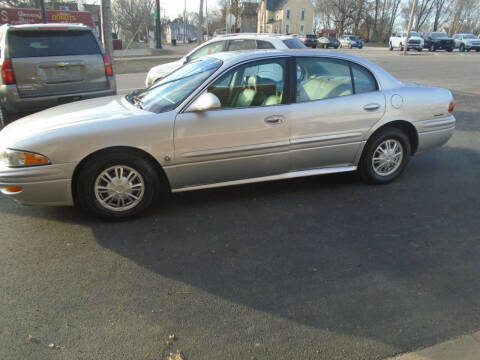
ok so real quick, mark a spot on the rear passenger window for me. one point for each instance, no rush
(322, 78)
(242, 45)
(363, 80)
(24, 44)
(264, 45)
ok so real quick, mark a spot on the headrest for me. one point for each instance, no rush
(252, 82)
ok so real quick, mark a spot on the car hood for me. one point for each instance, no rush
(165, 69)
(442, 38)
(415, 38)
(68, 115)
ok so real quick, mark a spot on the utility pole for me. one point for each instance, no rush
(206, 19)
(44, 12)
(185, 23)
(200, 25)
(158, 26)
(106, 15)
(405, 46)
(226, 16)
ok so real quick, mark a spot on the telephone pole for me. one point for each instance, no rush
(412, 12)
(44, 12)
(158, 26)
(106, 15)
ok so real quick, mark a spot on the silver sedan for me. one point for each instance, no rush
(225, 119)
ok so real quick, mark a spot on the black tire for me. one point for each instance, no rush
(419, 49)
(360, 47)
(366, 169)
(478, 50)
(3, 117)
(87, 177)
(450, 49)
(401, 47)
(349, 46)
(432, 48)
(336, 47)
(314, 46)
(390, 47)
(461, 48)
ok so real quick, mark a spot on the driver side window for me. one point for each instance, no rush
(260, 83)
(208, 49)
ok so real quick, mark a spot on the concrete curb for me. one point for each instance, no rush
(466, 347)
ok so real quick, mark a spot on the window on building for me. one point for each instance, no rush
(288, 13)
(302, 17)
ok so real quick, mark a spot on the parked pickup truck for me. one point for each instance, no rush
(398, 41)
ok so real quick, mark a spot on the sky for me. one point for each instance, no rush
(174, 7)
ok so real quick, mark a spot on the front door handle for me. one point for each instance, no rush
(371, 107)
(274, 119)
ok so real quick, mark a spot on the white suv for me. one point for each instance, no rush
(226, 43)
(466, 42)
(398, 41)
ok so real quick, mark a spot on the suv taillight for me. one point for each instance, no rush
(451, 106)
(108, 65)
(7, 73)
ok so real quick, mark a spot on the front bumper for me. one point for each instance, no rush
(472, 47)
(41, 185)
(15, 104)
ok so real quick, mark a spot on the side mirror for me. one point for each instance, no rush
(185, 59)
(206, 101)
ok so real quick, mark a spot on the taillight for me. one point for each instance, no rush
(451, 107)
(108, 65)
(7, 73)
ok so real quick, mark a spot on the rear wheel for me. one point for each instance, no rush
(3, 117)
(385, 156)
(349, 46)
(401, 47)
(116, 185)
(450, 49)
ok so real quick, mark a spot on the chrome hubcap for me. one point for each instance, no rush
(119, 188)
(388, 157)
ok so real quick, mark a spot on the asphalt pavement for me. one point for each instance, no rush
(314, 268)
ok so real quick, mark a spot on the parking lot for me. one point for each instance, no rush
(314, 268)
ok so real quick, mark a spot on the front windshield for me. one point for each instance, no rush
(167, 94)
(412, 33)
(353, 38)
(469, 37)
(438, 34)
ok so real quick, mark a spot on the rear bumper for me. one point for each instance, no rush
(435, 132)
(14, 104)
(41, 185)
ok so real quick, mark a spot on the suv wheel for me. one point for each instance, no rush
(432, 47)
(390, 47)
(350, 45)
(116, 185)
(3, 117)
(385, 156)
(401, 47)
(461, 48)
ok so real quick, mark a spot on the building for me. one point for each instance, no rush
(285, 16)
(248, 17)
(176, 29)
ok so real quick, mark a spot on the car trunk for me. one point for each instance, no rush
(56, 62)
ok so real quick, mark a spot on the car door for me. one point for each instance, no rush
(333, 113)
(247, 137)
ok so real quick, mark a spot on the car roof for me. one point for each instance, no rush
(240, 36)
(47, 26)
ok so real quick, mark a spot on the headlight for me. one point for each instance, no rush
(16, 158)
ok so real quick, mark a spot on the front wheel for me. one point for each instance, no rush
(116, 185)
(478, 50)
(450, 49)
(385, 156)
(432, 48)
(390, 47)
(461, 48)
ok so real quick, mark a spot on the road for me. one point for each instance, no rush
(314, 268)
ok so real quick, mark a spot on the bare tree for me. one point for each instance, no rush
(133, 17)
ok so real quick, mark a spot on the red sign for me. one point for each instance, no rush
(34, 16)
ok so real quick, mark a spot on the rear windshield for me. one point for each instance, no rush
(51, 43)
(294, 44)
(439, 34)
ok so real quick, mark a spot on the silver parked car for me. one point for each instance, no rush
(466, 42)
(231, 42)
(229, 118)
(44, 65)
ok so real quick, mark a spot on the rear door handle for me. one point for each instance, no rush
(274, 119)
(371, 107)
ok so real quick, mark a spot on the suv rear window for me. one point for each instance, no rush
(294, 44)
(51, 43)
